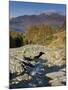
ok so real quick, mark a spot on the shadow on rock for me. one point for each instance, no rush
(42, 82)
(54, 68)
(38, 74)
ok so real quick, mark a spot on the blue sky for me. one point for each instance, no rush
(17, 8)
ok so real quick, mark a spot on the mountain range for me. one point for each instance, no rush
(20, 23)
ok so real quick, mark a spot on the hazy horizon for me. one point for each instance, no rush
(18, 8)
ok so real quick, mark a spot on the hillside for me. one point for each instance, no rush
(58, 40)
(41, 34)
(46, 35)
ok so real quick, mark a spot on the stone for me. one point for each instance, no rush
(52, 57)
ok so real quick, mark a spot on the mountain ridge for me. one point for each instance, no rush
(21, 22)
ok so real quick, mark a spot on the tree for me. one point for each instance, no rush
(18, 41)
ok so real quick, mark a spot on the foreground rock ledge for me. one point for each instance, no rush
(54, 57)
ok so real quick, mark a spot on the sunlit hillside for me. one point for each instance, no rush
(58, 40)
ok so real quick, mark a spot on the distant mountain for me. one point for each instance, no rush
(22, 22)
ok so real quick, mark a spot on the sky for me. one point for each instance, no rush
(18, 8)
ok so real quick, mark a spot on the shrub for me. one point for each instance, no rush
(16, 41)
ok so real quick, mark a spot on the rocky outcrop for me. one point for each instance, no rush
(48, 70)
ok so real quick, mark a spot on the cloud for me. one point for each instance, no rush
(49, 12)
